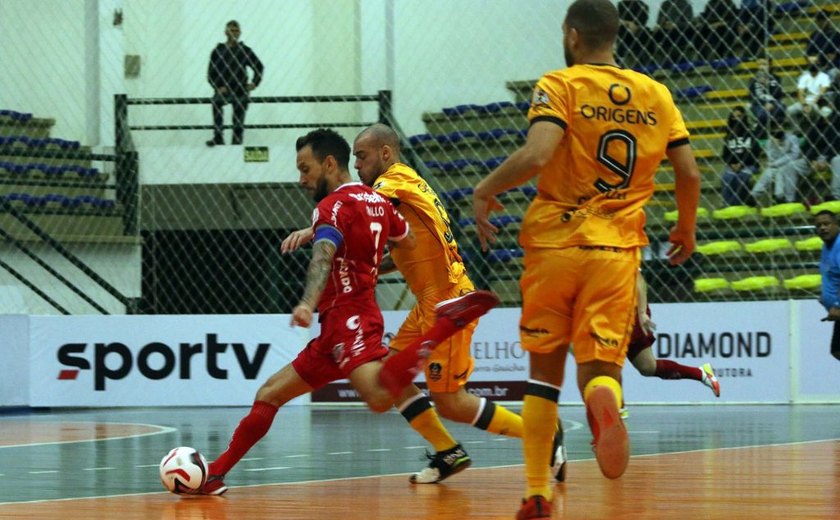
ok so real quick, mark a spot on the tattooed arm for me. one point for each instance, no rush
(316, 279)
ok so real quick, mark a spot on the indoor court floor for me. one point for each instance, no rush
(700, 461)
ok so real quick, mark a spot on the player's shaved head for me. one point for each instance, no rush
(596, 21)
(381, 135)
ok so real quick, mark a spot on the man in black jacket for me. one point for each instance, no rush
(228, 75)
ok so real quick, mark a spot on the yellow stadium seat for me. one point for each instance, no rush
(803, 281)
(710, 284)
(783, 210)
(768, 245)
(755, 283)
(719, 248)
(809, 244)
(733, 212)
(831, 205)
(671, 216)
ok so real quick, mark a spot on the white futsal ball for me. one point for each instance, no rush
(183, 470)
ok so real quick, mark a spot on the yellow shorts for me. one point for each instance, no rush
(451, 363)
(580, 295)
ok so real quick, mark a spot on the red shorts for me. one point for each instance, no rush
(350, 337)
(638, 339)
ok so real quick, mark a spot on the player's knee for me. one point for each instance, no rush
(379, 403)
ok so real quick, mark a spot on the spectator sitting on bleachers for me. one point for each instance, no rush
(824, 44)
(717, 29)
(812, 84)
(634, 39)
(740, 157)
(785, 164)
(766, 95)
(672, 33)
(821, 148)
(756, 27)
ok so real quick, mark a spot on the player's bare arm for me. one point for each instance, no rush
(316, 279)
(296, 240)
(517, 169)
(687, 191)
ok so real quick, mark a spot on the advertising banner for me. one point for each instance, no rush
(815, 369)
(157, 360)
(747, 344)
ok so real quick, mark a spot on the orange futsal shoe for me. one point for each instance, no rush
(534, 508)
(467, 308)
(610, 444)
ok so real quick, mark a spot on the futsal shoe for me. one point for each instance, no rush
(442, 465)
(536, 507)
(710, 380)
(214, 486)
(558, 455)
(467, 308)
(610, 441)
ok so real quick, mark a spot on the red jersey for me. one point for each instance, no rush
(365, 220)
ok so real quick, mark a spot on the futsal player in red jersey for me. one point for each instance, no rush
(351, 225)
(640, 355)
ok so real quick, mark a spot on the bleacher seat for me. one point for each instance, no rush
(704, 285)
(734, 212)
(419, 139)
(786, 209)
(803, 282)
(500, 256)
(456, 194)
(671, 216)
(498, 106)
(719, 247)
(755, 283)
(725, 63)
(523, 105)
(768, 245)
(693, 92)
(454, 137)
(19, 117)
(809, 244)
(831, 205)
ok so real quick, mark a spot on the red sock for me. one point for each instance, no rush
(666, 369)
(251, 429)
(400, 369)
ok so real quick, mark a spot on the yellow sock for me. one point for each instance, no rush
(607, 381)
(420, 414)
(539, 417)
(505, 422)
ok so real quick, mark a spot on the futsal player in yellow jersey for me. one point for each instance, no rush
(597, 134)
(434, 272)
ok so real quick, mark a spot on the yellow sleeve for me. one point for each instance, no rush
(550, 101)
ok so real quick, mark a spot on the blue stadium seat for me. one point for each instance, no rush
(647, 69)
(417, 140)
(528, 191)
(694, 91)
(498, 106)
(523, 105)
(792, 7)
(725, 63)
(457, 194)
(493, 162)
(14, 115)
(454, 137)
(500, 256)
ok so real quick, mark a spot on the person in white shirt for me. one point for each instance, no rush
(810, 89)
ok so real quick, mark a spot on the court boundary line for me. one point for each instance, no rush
(322, 481)
(161, 430)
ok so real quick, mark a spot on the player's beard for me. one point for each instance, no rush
(570, 60)
(321, 189)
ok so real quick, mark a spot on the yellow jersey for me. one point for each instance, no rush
(618, 124)
(434, 263)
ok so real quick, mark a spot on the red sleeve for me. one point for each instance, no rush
(398, 225)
